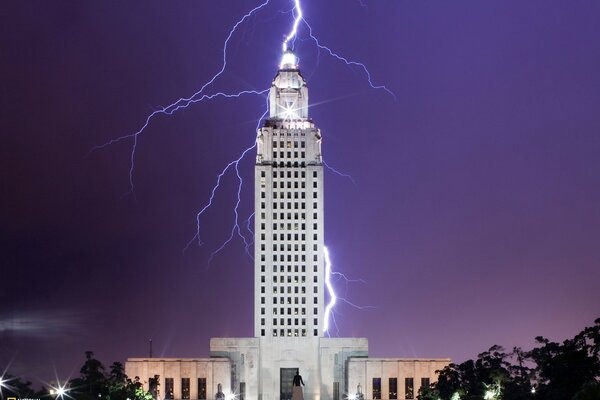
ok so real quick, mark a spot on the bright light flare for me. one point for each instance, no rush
(288, 60)
(332, 295)
(352, 396)
(230, 396)
(60, 391)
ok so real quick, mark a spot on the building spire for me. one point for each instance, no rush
(288, 60)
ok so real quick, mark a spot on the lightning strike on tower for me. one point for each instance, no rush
(291, 111)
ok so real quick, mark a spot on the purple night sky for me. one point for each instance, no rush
(475, 218)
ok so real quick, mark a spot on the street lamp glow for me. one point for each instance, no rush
(352, 396)
(489, 395)
(230, 396)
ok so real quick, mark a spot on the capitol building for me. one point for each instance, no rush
(290, 268)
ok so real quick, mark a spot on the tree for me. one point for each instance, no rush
(92, 383)
(557, 371)
(15, 387)
(563, 369)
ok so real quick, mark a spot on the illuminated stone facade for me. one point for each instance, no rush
(289, 283)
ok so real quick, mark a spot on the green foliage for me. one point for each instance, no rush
(95, 384)
(557, 371)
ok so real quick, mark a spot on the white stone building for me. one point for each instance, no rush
(289, 287)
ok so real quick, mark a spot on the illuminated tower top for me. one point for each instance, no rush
(289, 94)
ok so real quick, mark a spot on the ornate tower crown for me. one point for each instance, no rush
(289, 93)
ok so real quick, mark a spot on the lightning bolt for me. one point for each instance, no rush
(200, 96)
(294, 32)
(329, 315)
(330, 290)
(346, 61)
(184, 102)
(343, 175)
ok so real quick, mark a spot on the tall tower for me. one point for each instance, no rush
(289, 267)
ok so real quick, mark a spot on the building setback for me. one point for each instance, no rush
(289, 284)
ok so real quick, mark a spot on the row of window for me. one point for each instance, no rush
(289, 144)
(290, 195)
(288, 164)
(289, 269)
(281, 279)
(290, 279)
(282, 236)
(295, 321)
(289, 311)
(289, 174)
(287, 206)
(282, 247)
(170, 389)
(409, 389)
(290, 332)
(296, 216)
(290, 184)
(282, 289)
(282, 257)
(289, 300)
(185, 389)
(282, 154)
(282, 195)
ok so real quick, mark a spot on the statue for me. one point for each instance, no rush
(359, 393)
(297, 389)
(220, 395)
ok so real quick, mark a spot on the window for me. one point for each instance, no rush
(201, 388)
(424, 382)
(393, 383)
(169, 388)
(242, 395)
(185, 388)
(376, 388)
(409, 388)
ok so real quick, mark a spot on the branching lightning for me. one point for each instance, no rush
(343, 175)
(200, 96)
(184, 102)
(346, 61)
